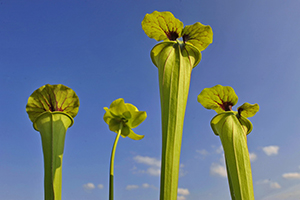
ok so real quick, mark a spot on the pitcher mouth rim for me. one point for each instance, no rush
(246, 121)
(52, 113)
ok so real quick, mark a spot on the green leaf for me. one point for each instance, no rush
(162, 26)
(248, 110)
(198, 35)
(175, 61)
(52, 98)
(234, 142)
(219, 98)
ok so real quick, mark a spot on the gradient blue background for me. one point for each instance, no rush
(99, 49)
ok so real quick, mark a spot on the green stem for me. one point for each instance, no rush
(234, 141)
(112, 159)
(174, 67)
(52, 127)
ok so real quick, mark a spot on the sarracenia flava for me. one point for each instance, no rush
(175, 60)
(51, 108)
(121, 118)
(232, 127)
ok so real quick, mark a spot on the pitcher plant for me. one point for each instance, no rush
(175, 58)
(232, 127)
(121, 118)
(51, 108)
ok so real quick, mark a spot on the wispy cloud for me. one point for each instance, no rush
(182, 171)
(202, 152)
(132, 187)
(275, 185)
(291, 193)
(291, 175)
(153, 166)
(219, 150)
(147, 160)
(144, 186)
(271, 150)
(100, 186)
(253, 157)
(153, 171)
(153, 163)
(271, 184)
(89, 186)
(218, 169)
(181, 198)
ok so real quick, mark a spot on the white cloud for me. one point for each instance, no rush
(89, 186)
(253, 157)
(202, 152)
(265, 181)
(271, 184)
(181, 198)
(153, 171)
(217, 169)
(183, 191)
(219, 150)
(291, 175)
(271, 150)
(100, 186)
(182, 172)
(275, 185)
(145, 185)
(147, 160)
(132, 187)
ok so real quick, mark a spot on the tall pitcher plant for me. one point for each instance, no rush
(175, 60)
(51, 108)
(232, 127)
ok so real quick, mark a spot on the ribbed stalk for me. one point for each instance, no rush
(52, 127)
(234, 141)
(174, 64)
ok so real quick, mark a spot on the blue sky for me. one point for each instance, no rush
(99, 49)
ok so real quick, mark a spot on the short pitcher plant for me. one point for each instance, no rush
(175, 58)
(232, 127)
(51, 108)
(121, 118)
